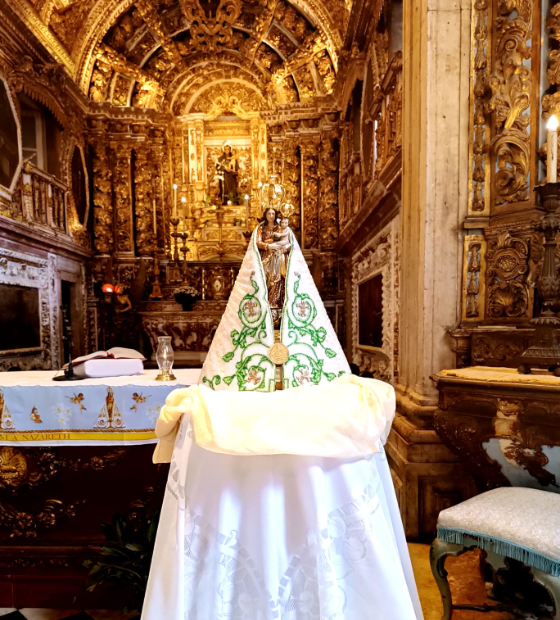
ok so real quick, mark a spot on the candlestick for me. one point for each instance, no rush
(174, 200)
(552, 149)
(175, 222)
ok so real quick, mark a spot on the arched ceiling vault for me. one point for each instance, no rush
(156, 54)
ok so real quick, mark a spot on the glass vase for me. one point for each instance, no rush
(165, 358)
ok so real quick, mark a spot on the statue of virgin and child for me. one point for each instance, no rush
(274, 244)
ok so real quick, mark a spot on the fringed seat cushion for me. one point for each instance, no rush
(520, 523)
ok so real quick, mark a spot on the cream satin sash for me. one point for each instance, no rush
(344, 419)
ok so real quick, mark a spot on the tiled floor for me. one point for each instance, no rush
(466, 584)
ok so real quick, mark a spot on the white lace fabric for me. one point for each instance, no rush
(279, 538)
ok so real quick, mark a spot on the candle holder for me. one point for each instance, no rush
(220, 214)
(545, 352)
(165, 357)
(175, 222)
(184, 251)
(156, 293)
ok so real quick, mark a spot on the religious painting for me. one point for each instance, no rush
(79, 193)
(370, 312)
(9, 144)
(228, 170)
(20, 324)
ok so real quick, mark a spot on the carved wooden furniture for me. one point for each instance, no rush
(508, 523)
(191, 332)
(52, 504)
(504, 426)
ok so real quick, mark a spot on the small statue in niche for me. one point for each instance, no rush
(227, 168)
(273, 242)
(122, 302)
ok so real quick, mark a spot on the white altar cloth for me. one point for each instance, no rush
(37, 411)
(279, 538)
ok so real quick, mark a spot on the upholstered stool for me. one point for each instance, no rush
(510, 522)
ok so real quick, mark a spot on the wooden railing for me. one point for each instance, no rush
(43, 198)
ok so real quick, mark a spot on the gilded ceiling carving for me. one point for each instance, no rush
(140, 53)
(281, 25)
(211, 31)
(65, 22)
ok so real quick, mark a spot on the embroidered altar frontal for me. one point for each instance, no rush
(37, 411)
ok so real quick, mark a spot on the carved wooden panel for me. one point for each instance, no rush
(52, 504)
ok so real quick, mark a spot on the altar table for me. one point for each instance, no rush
(37, 411)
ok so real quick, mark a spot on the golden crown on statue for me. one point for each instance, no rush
(274, 195)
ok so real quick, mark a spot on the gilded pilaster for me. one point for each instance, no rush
(123, 197)
(474, 278)
(328, 192)
(143, 206)
(102, 202)
(479, 148)
(510, 101)
(274, 150)
(310, 193)
(291, 177)
(159, 178)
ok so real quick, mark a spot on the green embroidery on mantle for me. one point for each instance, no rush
(251, 370)
(215, 380)
(308, 351)
(300, 323)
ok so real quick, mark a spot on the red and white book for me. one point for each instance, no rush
(116, 353)
(116, 362)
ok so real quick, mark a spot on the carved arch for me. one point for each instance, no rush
(228, 102)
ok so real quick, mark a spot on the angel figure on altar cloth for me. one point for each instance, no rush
(35, 417)
(138, 400)
(279, 503)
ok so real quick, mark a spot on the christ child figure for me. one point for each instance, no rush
(282, 244)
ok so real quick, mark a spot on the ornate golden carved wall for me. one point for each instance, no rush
(507, 155)
(149, 91)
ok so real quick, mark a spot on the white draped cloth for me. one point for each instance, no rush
(279, 537)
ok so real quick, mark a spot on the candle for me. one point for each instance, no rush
(174, 200)
(184, 201)
(154, 211)
(552, 150)
(247, 209)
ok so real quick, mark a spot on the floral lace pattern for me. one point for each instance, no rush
(222, 581)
